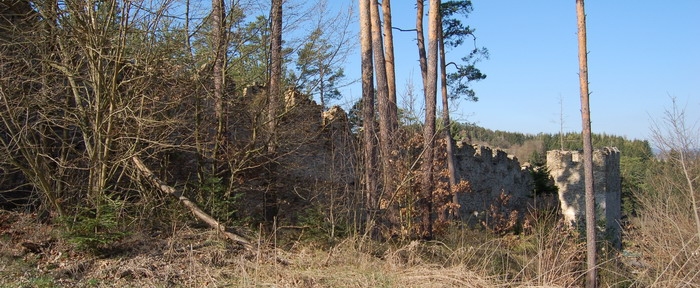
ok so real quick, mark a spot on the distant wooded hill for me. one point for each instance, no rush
(533, 147)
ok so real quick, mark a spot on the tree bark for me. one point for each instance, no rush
(420, 40)
(274, 96)
(219, 68)
(275, 71)
(188, 39)
(382, 86)
(591, 277)
(449, 145)
(370, 157)
(429, 128)
(167, 189)
(390, 64)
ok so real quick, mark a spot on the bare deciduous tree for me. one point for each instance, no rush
(668, 222)
(92, 93)
(275, 69)
(220, 43)
(678, 141)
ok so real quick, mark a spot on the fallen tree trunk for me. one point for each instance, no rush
(165, 188)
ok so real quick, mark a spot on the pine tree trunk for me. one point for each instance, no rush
(385, 127)
(451, 170)
(369, 153)
(420, 40)
(430, 114)
(591, 277)
(390, 64)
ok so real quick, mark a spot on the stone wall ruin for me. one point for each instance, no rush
(324, 152)
(490, 173)
(566, 167)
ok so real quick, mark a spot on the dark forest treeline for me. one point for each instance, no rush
(512, 141)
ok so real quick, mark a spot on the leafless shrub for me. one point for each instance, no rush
(550, 254)
(82, 88)
(668, 228)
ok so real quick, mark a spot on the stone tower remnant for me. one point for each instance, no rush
(566, 167)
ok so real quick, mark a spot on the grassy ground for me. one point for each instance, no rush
(36, 255)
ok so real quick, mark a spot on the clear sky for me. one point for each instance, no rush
(641, 53)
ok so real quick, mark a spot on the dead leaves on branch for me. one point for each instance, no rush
(408, 195)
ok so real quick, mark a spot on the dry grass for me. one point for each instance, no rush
(190, 257)
(666, 242)
(187, 257)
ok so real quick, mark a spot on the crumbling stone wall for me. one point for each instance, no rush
(489, 173)
(318, 145)
(312, 145)
(566, 167)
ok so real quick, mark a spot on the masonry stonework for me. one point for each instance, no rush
(490, 173)
(566, 167)
(324, 152)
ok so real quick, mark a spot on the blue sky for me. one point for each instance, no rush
(641, 53)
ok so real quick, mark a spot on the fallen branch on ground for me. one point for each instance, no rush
(165, 188)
